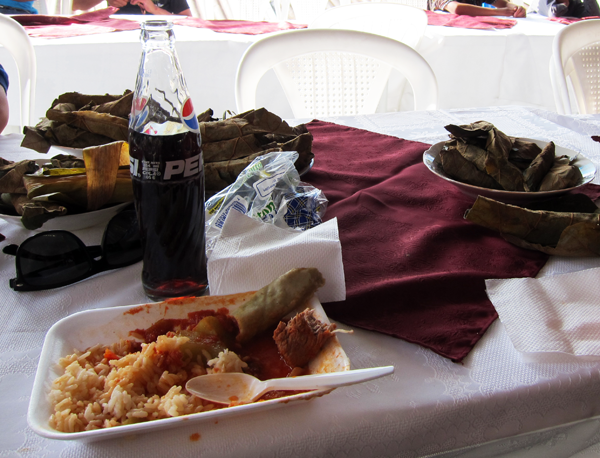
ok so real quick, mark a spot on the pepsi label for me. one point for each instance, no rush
(188, 116)
(167, 170)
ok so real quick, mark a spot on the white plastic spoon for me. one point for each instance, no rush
(240, 388)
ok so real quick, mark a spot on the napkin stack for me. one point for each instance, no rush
(250, 254)
(555, 314)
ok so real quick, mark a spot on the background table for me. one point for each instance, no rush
(473, 67)
(493, 404)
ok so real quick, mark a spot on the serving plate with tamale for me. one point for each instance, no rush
(432, 161)
(66, 192)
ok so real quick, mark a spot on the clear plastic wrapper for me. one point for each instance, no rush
(269, 190)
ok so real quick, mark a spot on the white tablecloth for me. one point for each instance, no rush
(473, 67)
(493, 400)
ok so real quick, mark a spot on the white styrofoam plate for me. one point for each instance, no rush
(107, 325)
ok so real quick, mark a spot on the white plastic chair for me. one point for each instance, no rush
(575, 67)
(248, 10)
(15, 39)
(328, 72)
(304, 10)
(400, 22)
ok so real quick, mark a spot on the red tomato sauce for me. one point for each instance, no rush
(165, 325)
(261, 353)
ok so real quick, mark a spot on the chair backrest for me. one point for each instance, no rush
(394, 20)
(575, 67)
(249, 10)
(305, 11)
(329, 72)
(15, 39)
(65, 7)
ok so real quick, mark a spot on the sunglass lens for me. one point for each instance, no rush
(53, 258)
(122, 244)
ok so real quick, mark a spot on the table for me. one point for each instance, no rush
(493, 404)
(497, 67)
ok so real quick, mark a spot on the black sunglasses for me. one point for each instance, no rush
(53, 259)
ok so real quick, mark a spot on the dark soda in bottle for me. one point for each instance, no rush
(167, 171)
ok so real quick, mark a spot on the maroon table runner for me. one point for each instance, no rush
(415, 269)
(469, 22)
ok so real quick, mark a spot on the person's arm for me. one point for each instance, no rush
(84, 5)
(517, 10)
(4, 110)
(503, 8)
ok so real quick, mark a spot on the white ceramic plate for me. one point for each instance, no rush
(587, 168)
(108, 325)
(68, 150)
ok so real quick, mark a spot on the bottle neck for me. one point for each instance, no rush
(157, 34)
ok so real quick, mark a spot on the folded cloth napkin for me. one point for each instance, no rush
(243, 27)
(468, 22)
(557, 314)
(250, 254)
(45, 26)
(414, 267)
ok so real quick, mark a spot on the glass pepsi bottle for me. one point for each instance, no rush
(167, 171)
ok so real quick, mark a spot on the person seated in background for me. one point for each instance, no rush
(4, 111)
(17, 7)
(568, 8)
(475, 8)
(160, 7)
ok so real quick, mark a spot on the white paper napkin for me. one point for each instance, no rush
(559, 313)
(249, 254)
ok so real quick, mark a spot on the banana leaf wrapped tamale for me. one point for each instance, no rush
(113, 127)
(563, 174)
(523, 152)
(539, 167)
(11, 175)
(79, 121)
(564, 233)
(278, 298)
(460, 168)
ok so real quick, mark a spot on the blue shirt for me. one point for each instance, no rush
(3, 79)
(27, 6)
